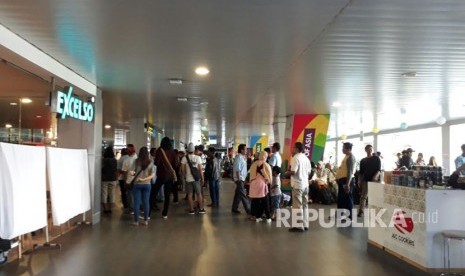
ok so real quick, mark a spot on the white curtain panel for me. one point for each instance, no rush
(68, 174)
(23, 198)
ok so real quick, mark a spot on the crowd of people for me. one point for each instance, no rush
(149, 176)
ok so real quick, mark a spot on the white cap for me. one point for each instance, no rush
(190, 147)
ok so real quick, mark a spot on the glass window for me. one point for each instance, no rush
(456, 141)
(427, 141)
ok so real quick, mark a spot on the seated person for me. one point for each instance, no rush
(318, 182)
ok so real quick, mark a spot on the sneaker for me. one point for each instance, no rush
(165, 217)
(296, 230)
(268, 220)
(192, 212)
(202, 211)
(146, 222)
(258, 220)
(135, 224)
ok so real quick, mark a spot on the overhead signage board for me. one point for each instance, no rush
(68, 105)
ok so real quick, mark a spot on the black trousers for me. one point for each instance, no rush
(168, 189)
(124, 198)
(260, 205)
(345, 200)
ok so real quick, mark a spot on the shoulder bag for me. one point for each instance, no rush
(194, 171)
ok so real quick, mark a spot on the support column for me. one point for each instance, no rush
(445, 131)
(137, 134)
(279, 132)
(92, 138)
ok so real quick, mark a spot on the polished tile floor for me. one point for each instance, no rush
(217, 243)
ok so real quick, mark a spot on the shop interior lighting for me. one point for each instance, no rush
(26, 101)
(13, 103)
(182, 99)
(38, 116)
(176, 81)
(202, 71)
(263, 134)
(107, 126)
(8, 126)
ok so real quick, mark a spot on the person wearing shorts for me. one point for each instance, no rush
(193, 186)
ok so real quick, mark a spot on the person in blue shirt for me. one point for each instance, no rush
(239, 175)
(275, 159)
(460, 162)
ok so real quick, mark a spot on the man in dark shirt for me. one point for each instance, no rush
(370, 168)
(406, 160)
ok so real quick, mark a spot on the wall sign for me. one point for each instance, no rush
(67, 105)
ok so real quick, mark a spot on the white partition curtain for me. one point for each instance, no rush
(68, 174)
(23, 198)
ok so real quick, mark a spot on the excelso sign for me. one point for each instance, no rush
(69, 106)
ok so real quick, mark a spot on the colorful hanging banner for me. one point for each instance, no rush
(258, 143)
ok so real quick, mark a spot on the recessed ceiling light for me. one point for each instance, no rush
(202, 71)
(13, 103)
(336, 104)
(8, 126)
(181, 99)
(176, 81)
(107, 126)
(409, 74)
(26, 100)
(263, 134)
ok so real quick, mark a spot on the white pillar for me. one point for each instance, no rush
(445, 131)
(279, 132)
(137, 134)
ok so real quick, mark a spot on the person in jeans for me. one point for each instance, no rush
(143, 173)
(239, 175)
(214, 177)
(193, 185)
(121, 178)
(166, 161)
(275, 191)
(345, 180)
(299, 171)
(370, 168)
(109, 170)
(127, 165)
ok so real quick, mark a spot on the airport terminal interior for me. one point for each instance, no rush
(218, 137)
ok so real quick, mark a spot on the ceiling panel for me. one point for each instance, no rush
(268, 59)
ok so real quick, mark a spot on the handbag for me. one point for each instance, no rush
(175, 178)
(194, 171)
(131, 185)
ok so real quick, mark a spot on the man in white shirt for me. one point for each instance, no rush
(193, 185)
(275, 159)
(299, 171)
(128, 171)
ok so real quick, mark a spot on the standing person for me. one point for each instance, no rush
(166, 160)
(275, 191)
(345, 180)
(381, 174)
(460, 162)
(420, 161)
(275, 159)
(260, 177)
(268, 152)
(214, 177)
(370, 168)
(192, 173)
(127, 165)
(239, 175)
(109, 176)
(143, 172)
(406, 160)
(153, 196)
(122, 179)
(299, 171)
(432, 162)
